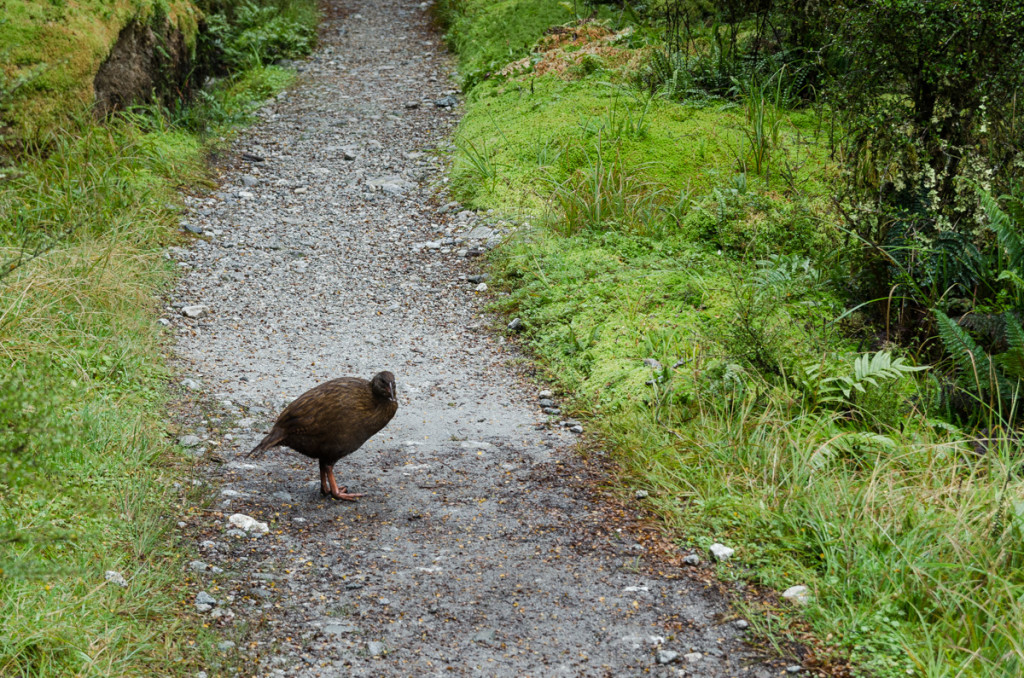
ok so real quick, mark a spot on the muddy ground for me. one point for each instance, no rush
(480, 547)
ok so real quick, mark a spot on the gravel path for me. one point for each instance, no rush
(478, 549)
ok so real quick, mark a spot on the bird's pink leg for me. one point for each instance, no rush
(335, 491)
(324, 488)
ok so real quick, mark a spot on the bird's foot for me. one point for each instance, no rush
(342, 494)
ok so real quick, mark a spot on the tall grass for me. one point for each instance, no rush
(85, 487)
(912, 548)
(606, 195)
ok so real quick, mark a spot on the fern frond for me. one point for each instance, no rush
(1014, 332)
(850, 443)
(1014, 279)
(1005, 229)
(1012, 363)
(967, 355)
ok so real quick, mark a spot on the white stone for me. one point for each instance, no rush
(195, 311)
(248, 523)
(693, 657)
(721, 552)
(667, 656)
(116, 578)
(800, 595)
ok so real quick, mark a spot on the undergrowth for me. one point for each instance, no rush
(681, 276)
(89, 480)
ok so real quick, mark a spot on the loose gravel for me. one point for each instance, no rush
(476, 551)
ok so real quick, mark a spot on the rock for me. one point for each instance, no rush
(482, 277)
(195, 311)
(339, 629)
(641, 494)
(116, 578)
(480, 233)
(195, 229)
(205, 602)
(235, 532)
(741, 624)
(245, 422)
(282, 496)
(225, 645)
(794, 668)
(485, 636)
(551, 410)
(721, 552)
(189, 441)
(693, 657)
(375, 648)
(692, 559)
(482, 287)
(474, 445)
(164, 321)
(800, 595)
(652, 363)
(208, 544)
(203, 608)
(576, 429)
(546, 402)
(192, 384)
(249, 180)
(446, 102)
(667, 656)
(545, 394)
(198, 566)
(247, 523)
(516, 325)
(230, 493)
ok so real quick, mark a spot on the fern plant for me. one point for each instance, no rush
(869, 371)
(995, 380)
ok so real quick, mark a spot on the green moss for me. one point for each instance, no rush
(487, 35)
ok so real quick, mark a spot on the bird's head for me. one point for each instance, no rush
(383, 384)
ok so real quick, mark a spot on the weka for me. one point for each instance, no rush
(333, 420)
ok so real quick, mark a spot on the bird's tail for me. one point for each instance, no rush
(270, 440)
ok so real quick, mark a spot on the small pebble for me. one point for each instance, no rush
(667, 656)
(116, 578)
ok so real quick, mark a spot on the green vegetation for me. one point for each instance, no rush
(89, 481)
(704, 269)
(50, 52)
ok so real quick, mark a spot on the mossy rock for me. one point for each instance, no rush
(58, 58)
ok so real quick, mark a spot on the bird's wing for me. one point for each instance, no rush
(308, 410)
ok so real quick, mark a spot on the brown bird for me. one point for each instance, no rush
(333, 420)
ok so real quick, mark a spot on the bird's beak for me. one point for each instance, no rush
(391, 390)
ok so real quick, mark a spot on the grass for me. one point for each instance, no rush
(699, 234)
(89, 480)
(88, 468)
